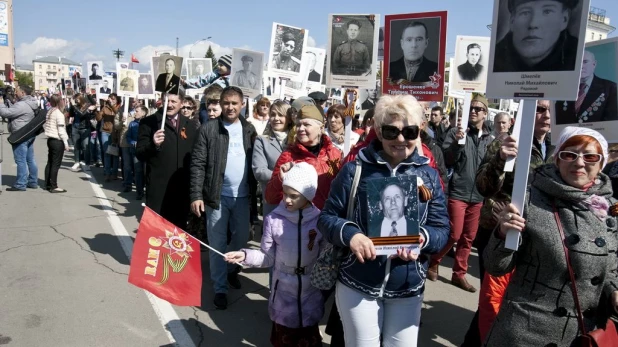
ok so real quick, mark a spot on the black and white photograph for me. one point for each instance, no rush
(197, 67)
(128, 81)
(315, 58)
(105, 88)
(145, 88)
(95, 71)
(367, 98)
(270, 85)
(353, 50)
(336, 93)
(596, 106)
(168, 77)
(287, 44)
(246, 72)
(469, 72)
(537, 48)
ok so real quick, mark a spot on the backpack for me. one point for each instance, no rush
(30, 130)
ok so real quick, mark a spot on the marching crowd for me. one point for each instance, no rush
(211, 170)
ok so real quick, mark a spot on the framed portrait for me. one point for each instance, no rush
(315, 59)
(197, 67)
(145, 86)
(596, 106)
(95, 71)
(414, 51)
(247, 70)
(352, 58)
(128, 82)
(367, 98)
(392, 212)
(105, 87)
(381, 44)
(539, 61)
(336, 93)
(452, 92)
(469, 72)
(269, 85)
(167, 69)
(287, 44)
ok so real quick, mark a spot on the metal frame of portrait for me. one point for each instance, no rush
(300, 35)
(431, 70)
(479, 84)
(339, 74)
(508, 78)
(256, 68)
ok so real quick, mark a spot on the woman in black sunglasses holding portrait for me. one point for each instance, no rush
(379, 297)
(564, 278)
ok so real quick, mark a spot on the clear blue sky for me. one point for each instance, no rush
(85, 29)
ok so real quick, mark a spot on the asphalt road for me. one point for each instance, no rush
(64, 262)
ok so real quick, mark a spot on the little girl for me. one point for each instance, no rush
(291, 244)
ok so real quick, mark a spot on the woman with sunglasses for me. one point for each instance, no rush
(189, 108)
(569, 208)
(380, 296)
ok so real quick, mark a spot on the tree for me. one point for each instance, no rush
(210, 54)
(25, 78)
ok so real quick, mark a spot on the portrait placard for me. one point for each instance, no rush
(596, 106)
(367, 99)
(414, 51)
(127, 82)
(145, 86)
(287, 44)
(247, 70)
(353, 50)
(168, 73)
(392, 212)
(470, 70)
(537, 49)
(95, 71)
(451, 92)
(315, 65)
(197, 67)
(105, 88)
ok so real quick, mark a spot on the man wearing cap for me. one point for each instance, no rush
(464, 202)
(319, 98)
(284, 60)
(539, 38)
(220, 76)
(245, 78)
(351, 57)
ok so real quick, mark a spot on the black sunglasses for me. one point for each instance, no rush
(187, 108)
(477, 109)
(541, 109)
(390, 132)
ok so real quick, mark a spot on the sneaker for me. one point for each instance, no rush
(75, 167)
(233, 280)
(220, 301)
(98, 164)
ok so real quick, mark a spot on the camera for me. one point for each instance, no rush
(8, 94)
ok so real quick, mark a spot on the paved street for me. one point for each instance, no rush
(64, 262)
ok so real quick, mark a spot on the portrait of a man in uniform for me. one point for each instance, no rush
(284, 59)
(414, 66)
(352, 57)
(245, 78)
(471, 69)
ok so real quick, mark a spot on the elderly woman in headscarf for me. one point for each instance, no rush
(569, 223)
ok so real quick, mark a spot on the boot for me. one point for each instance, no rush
(462, 282)
(432, 272)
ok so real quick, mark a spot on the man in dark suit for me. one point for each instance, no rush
(471, 69)
(413, 66)
(105, 89)
(168, 82)
(314, 76)
(596, 98)
(370, 102)
(95, 72)
(144, 85)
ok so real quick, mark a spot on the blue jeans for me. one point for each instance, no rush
(133, 170)
(27, 171)
(110, 162)
(95, 148)
(235, 212)
(81, 138)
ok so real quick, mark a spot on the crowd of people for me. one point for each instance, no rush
(212, 170)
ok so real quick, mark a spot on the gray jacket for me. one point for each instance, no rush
(538, 307)
(266, 151)
(20, 113)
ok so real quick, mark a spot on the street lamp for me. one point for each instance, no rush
(196, 42)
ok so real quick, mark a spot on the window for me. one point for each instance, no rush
(40, 66)
(40, 80)
(592, 36)
(600, 37)
(49, 66)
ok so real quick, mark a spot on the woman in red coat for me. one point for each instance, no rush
(312, 147)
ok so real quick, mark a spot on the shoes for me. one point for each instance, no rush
(32, 187)
(127, 189)
(462, 283)
(233, 280)
(98, 164)
(432, 273)
(13, 189)
(58, 190)
(220, 301)
(75, 167)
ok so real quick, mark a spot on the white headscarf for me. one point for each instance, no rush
(569, 132)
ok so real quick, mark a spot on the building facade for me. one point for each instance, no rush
(598, 25)
(49, 71)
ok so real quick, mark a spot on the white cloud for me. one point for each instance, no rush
(145, 53)
(310, 41)
(44, 46)
(112, 41)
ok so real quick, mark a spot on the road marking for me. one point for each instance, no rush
(175, 331)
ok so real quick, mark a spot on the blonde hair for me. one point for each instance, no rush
(398, 107)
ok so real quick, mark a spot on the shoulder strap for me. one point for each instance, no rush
(357, 174)
(580, 318)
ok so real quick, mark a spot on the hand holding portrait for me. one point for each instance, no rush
(362, 247)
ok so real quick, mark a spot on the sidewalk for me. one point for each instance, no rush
(65, 274)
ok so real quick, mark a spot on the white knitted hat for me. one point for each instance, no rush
(303, 178)
(569, 132)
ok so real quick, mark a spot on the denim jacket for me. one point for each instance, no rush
(132, 132)
(383, 277)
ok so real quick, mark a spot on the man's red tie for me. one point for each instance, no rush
(581, 94)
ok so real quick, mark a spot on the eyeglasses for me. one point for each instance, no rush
(390, 132)
(572, 156)
(541, 109)
(477, 109)
(187, 108)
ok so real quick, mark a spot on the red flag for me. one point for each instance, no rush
(166, 261)
(133, 59)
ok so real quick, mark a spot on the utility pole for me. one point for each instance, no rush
(118, 54)
(176, 46)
